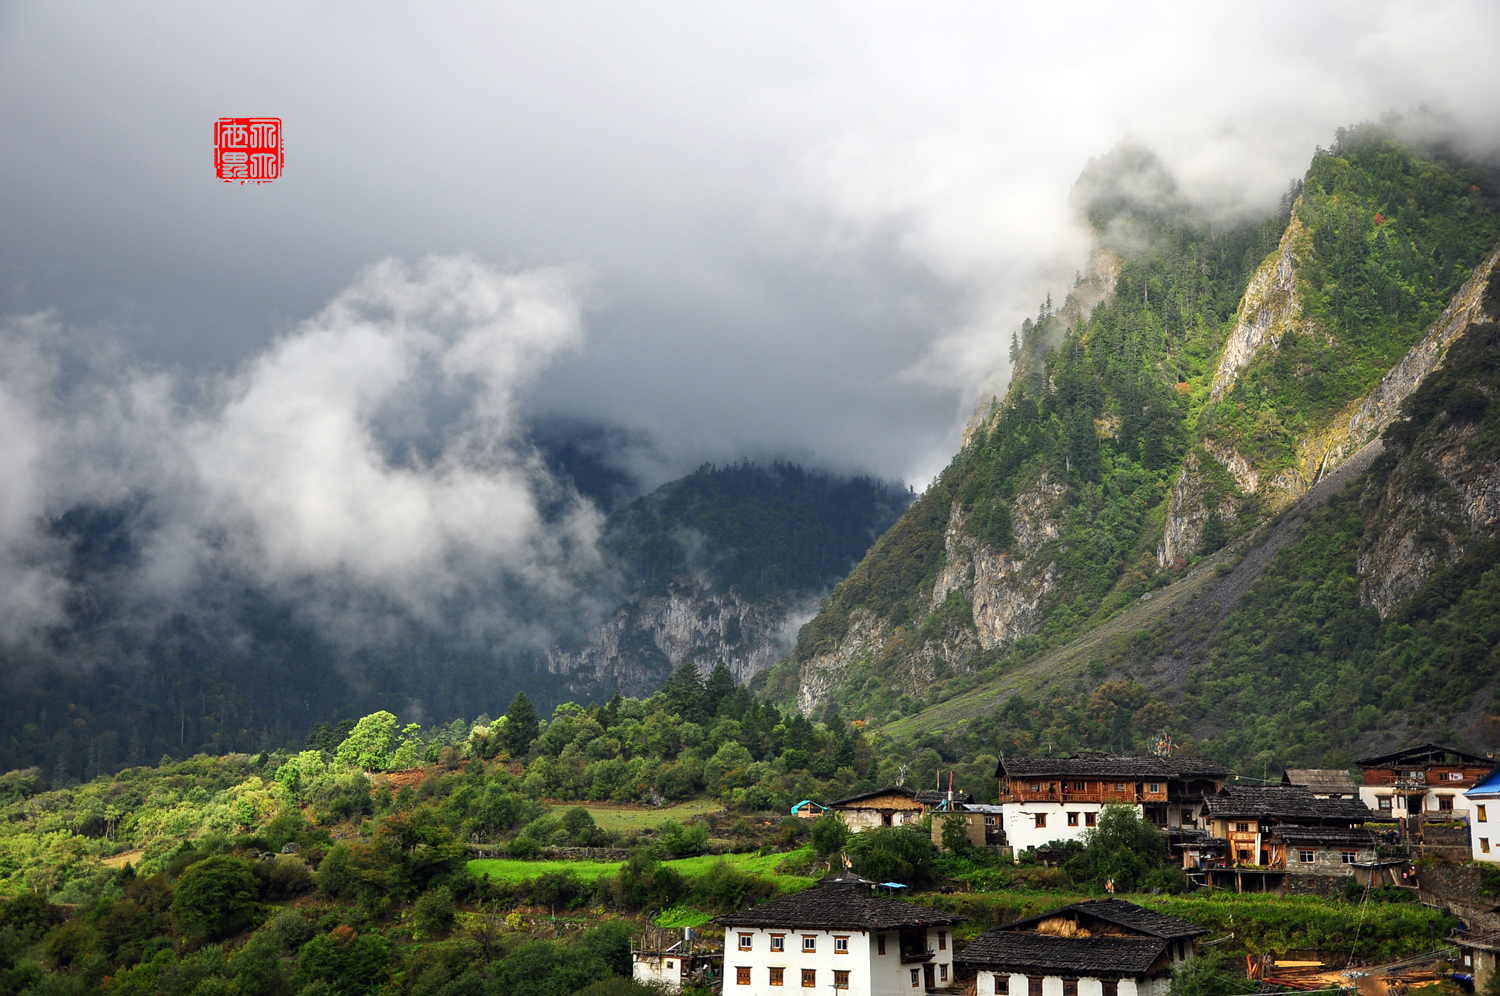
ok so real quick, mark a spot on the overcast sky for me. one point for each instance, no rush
(790, 229)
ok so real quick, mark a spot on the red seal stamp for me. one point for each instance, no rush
(248, 150)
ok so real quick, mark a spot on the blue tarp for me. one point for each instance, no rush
(893, 885)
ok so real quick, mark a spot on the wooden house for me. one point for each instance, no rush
(1426, 780)
(1324, 783)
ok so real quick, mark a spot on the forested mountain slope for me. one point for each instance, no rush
(719, 567)
(1221, 372)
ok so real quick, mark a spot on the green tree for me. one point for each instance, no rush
(1122, 847)
(409, 754)
(521, 726)
(829, 834)
(257, 968)
(718, 687)
(685, 693)
(215, 898)
(432, 914)
(956, 834)
(344, 960)
(369, 743)
(893, 854)
(1202, 976)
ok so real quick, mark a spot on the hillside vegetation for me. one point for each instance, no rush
(1205, 393)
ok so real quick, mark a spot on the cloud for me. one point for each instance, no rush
(813, 227)
(369, 464)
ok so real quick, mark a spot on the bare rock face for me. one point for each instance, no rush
(1187, 513)
(639, 646)
(1006, 590)
(1271, 308)
(1433, 506)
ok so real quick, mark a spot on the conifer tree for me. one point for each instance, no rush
(720, 685)
(521, 726)
(685, 693)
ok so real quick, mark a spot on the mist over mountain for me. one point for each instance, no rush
(1239, 491)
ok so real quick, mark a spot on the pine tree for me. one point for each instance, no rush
(521, 726)
(720, 685)
(685, 693)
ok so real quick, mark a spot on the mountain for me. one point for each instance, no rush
(722, 566)
(719, 565)
(1181, 518)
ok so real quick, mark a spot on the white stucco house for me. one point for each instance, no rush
(1483, 803)
(1060, 798)
(1104, 947)
(839, 936)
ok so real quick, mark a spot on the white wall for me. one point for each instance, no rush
(870, 974)
(1487, 829)
(1022, 832)
(1052, 985)
(1370, 795)
(654, 970)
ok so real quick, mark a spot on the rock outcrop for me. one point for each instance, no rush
(639, 646)
(1188, 510)
(1271, 308)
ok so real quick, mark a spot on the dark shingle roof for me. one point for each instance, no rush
(1331, 780)
(1118, 911)
(1325, 835)
(1423, 754)
(1100, 765)
(930, 797)
(1283, 802)
(838, 908)
(1001, 948)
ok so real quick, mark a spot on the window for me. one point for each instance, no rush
(1080, 786)
(1153, 788)
(989, 821)
(809, 978)
(1072, 819)
(942, 940)
(1243, 855)
(1119, 786)
(1110, 988)
(745, 942)
(809, 942)
(1242, 828)
(1033, 985)
(1041, 820)
(1384, 802)
(1445, 803)
(840, 979)
(1348, 857)
(671, 964)
(914, 975)
(1002, 985)
(1070, 987)
(1484, 845)
(778, 942)
(841, 945)
(880, 944)
(1482, 817)
(1305, 856)
(1036, 786)
(943, 972)
(1455, 776)
(1089, 819)
(778, 976)
(742, 975)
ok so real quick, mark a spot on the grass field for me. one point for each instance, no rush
(624, 819)
(516, 870)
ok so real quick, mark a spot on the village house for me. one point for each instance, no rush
(1104, 947)
(839, 936)
(1060, 798)
(1245, 816)
(1483, 805)
(1323, 783)
(808, 810)
(1428, 780)
(894, 806)
(981, 822)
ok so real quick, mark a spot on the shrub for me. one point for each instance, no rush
(829, 834)
(432, 914)
(684, 841)
(337, 875)
(215, 898)
(345, 961)
(893, 854)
